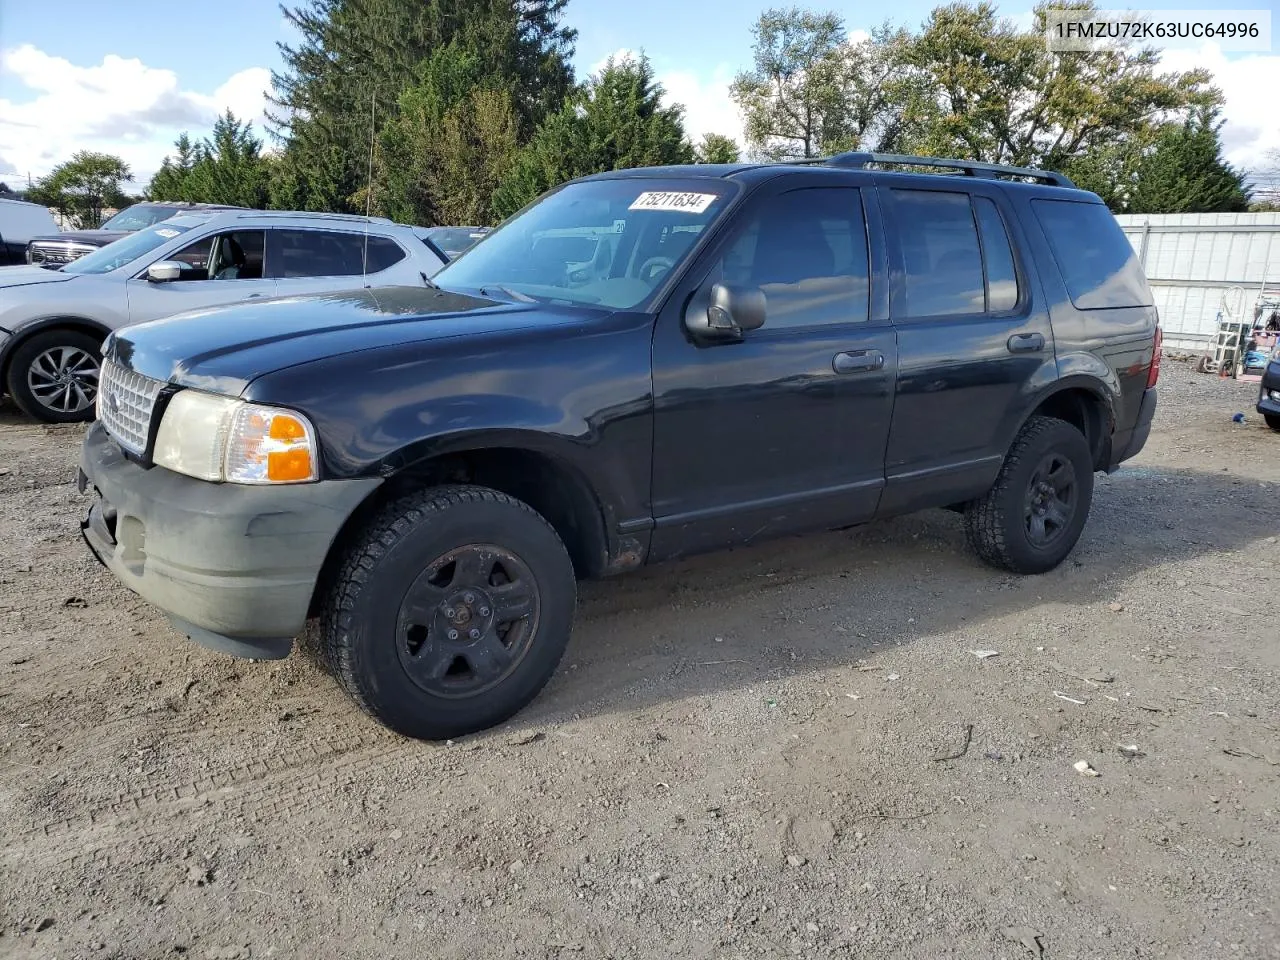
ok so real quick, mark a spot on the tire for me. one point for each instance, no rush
(1002, 526)
(1273, 420)
(397, 623)
(53, 376)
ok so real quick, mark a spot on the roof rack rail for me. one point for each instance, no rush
(313, 215)
(857, 160)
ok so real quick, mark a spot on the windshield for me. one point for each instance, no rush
(600, 242)
(138, 216)
(125, 250)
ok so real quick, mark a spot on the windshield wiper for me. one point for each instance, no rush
(513, 294)
(427, 281)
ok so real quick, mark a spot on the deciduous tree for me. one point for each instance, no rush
(83, 186)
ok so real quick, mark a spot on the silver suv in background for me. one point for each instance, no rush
(52, 322)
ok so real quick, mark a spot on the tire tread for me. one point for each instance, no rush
(987, 519)
(389, 526)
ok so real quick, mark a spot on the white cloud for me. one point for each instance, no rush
(120, 106)
(705, 97)
(1249, 83)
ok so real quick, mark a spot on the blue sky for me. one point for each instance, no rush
(129, 75)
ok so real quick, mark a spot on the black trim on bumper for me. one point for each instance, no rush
(1141, 431)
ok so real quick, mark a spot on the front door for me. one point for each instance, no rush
(974, 341)
(785, 430)
(218, 269)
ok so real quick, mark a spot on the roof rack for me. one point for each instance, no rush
(312, 215)
(857, 160)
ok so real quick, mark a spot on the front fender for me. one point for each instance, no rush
(582, 395)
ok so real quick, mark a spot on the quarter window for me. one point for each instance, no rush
(1095, 258)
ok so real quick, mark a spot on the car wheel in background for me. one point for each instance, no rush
(53, 376)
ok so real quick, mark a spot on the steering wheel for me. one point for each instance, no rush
(666, 263)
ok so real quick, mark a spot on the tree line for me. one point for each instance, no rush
(463, 111)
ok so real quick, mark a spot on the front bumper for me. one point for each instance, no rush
(234, 566)
(1269, 392)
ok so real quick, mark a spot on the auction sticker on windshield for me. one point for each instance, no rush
(678, 202)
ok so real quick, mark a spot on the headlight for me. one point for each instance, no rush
(222, 439)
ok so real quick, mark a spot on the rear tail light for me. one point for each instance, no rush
(1153, 372)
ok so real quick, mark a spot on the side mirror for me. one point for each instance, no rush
(164, 271)
(729, 312)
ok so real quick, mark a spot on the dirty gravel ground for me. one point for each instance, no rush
(740, 756)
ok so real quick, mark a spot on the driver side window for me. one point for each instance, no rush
(807, 251)
(234, 255)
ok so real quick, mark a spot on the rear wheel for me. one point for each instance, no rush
(1033, 515)
(1273, 420)
(451, 612)
(53, 376)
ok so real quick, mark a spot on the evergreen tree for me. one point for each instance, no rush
(1185, 173)
(618, 121)
(170, 181)
(227, 167)
(452, 141)
(344, 81)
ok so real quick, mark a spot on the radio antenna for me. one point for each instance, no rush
(368, 190)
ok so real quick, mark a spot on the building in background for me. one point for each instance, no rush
(1206, 267)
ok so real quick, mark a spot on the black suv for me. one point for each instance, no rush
(641, 365)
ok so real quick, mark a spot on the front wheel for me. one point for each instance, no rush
(1273, 420)
(1033, 515)
(451, 612)
(53, 376)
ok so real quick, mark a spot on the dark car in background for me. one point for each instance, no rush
(452, 242)
(54, 250)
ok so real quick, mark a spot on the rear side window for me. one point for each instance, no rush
(1095, 258)
(940, 252)
(327, 253)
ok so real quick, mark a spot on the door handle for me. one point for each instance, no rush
(855, 361)
(1026, 342)
(252, 295)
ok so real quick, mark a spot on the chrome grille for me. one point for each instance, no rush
(55, 253)
(125, 402)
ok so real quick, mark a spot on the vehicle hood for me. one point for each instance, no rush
(23, 276)
(99, 238)
(223, 349)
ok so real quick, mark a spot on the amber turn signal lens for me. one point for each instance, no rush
(289, 466)
(285, 427)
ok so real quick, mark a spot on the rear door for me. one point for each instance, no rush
(784, 430)
(218, 269)
(974, 340)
